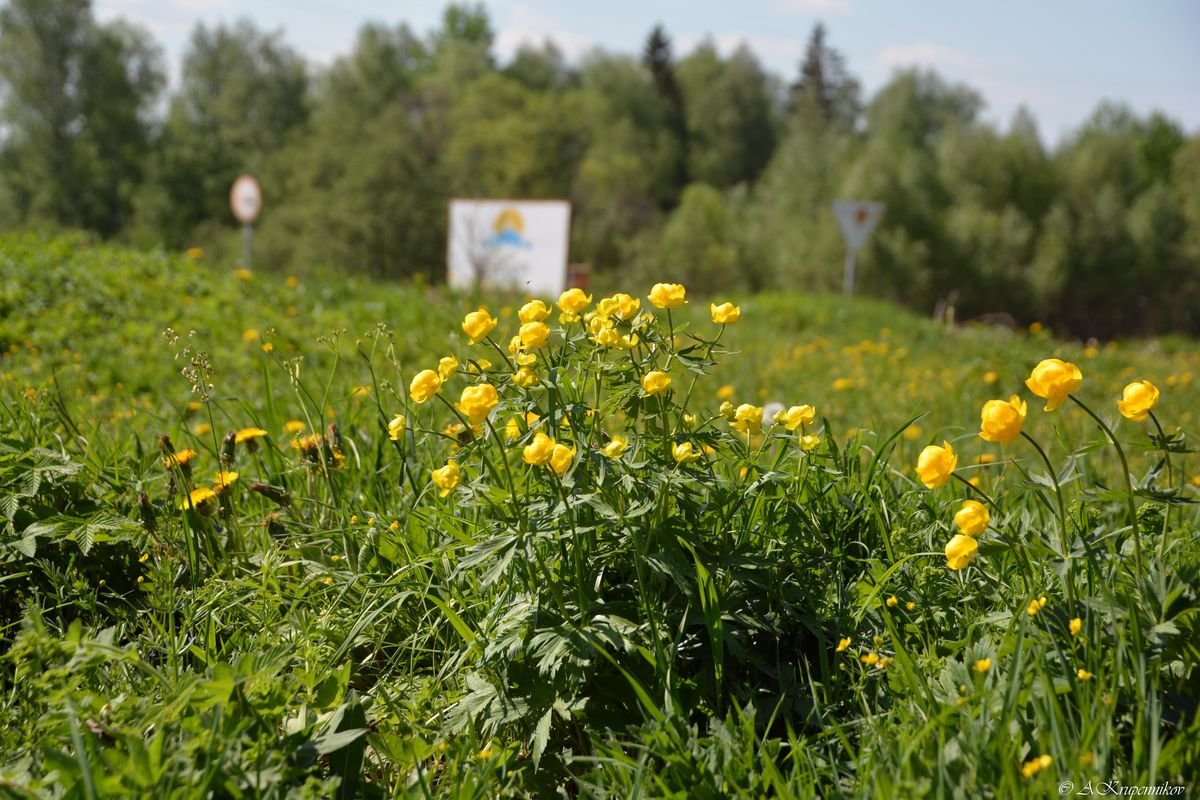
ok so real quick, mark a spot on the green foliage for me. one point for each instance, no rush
(327, 625)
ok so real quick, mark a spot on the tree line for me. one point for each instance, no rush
(700, 168)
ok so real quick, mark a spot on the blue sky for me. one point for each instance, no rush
(1058, 57)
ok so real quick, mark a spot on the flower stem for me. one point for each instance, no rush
(1133, 522)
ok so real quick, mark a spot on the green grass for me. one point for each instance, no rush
(329, 626)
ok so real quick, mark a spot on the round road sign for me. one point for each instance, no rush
(245, 198)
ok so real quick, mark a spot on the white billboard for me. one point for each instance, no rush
(513, 244)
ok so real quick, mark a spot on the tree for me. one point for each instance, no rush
(242, 95)
(731, 121)
(658, 59)
(77, 105)
(825, 84)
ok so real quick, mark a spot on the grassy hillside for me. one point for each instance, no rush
(717, 609)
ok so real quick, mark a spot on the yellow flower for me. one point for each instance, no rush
(1036, 605)
(884, 662)
(446, 478)
(972, 518)
(809, 442)
(243, 274)
(477, 402)
(248, 434)
(982, 665)
(725, 392)
(268, 347)
(796, 416)
(843, 645)
(396, 427)
(668, 295)
(724, 314)
(534, 335)
(655, 382)
(223, 480)
(560, 458)
(684, 453)
(249, 335)
(1084, 675)
(1137, 400)
(747, 419)
(1036, 765)
(479, 366)
(616, 446)
(425, 384)
(517, 350)
(960, 551)
(478, 324)
(447, 366)
(361, 391)
(525, 377)
(512, 428)
(573, 301)
(179, 458)
(1054, 380)
(194, 253)
(1076, 625)
(197, 497)
(1001, 421)
(293, 426)
(606, 337)
(870, 658)
(990, 377)
(910, 605)
(620, 305)
(892, 601)
(533, 311)
(540, 450)
(936, 464)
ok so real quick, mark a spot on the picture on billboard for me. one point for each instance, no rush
(509, 244)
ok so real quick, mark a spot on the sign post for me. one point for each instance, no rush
(857, 220)
(245, 200)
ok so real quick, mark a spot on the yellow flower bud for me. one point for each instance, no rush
(616, 447)
(972, 519)
(424, 385)
(1054, 380)
(936, 464)
(725, 314)
(960, 551)
(446, 478)
(1001, 421)
(396, 427)
(668, 295)
(573, 301)
(1137, 400)
(539, 451)
(655, 382)
(533, 311)
(478, 324)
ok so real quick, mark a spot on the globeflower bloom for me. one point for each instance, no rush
(478, 324)
(447, 366)
(684, 453)
(1036, 765)
(539, 451)
(747, 419)
(936, 464)
(724, 314)
(1054, 380)
(534, 335)
(425, 384)
(796, 416)
(616, 447)
(396, 427)
(1137, 400)
(960, 551)
(477, 401)
(843, 645)
(668, 295)
(620, 305)
(655, 382)
(446, 478)
(533, 311)
(560, 458)
(1076, 625)
(1001, 421)
(1035, 606)
(972, 519)
(573, 301)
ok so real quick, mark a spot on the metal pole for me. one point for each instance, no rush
(848, 285)
(247, 236)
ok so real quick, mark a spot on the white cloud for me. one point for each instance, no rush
(812, 6)
(527, 25)
(925, 54)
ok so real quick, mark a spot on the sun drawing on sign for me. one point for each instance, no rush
(509, 228)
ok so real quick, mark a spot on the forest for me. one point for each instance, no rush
(698, 166)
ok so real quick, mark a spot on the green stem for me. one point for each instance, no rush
(1133, 522)
(1065, 533)
(1162, 437)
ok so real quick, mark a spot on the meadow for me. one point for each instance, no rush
(318, 536)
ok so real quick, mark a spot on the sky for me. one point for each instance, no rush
(1059, 58)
